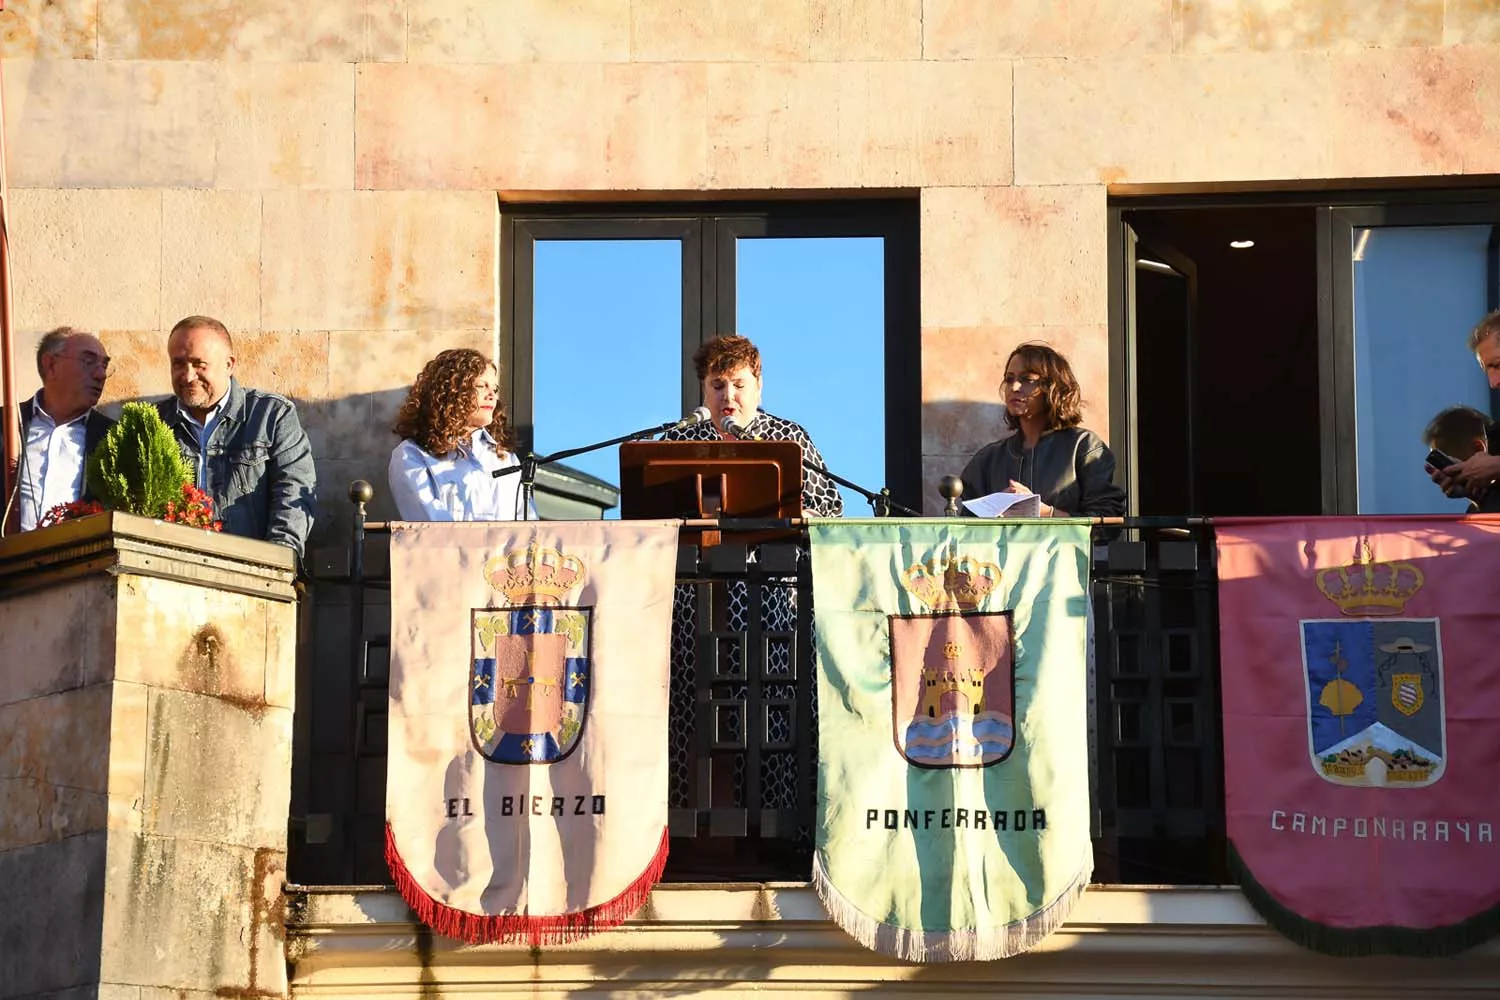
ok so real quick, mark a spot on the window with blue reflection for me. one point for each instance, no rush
(816, 309)
(607, 344)
(1418, 291)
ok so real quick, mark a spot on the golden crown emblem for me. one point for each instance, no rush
(1369, 589)
(536, 575)
(951, 582)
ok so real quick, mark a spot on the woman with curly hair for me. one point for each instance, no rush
(1048, 453)
(729, 370)
(454, 438)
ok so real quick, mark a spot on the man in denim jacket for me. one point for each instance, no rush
(246, 447)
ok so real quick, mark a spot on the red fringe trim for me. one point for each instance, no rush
(511, 927)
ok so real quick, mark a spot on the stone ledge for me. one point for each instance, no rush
(1120, 940)
(118, 543)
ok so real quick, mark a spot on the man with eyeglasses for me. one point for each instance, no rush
(59, 425)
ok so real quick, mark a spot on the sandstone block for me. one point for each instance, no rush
(138, 367)
(373, 260)
(191, 736)
(52, 783)
(532, 127)
(271, 31)
(59, 29)
(167, 892)
(1157, 119)
(210, 258)
(801, 30)
(193, 639)
(983, 29)
(1267, 25)
(481, 31)
(46, 652)
(285, 125)
(293, 363)
(1416, 112)
(1471, 22)
(1032, 256)
(75, 123)
(56, 946)
(86, 258)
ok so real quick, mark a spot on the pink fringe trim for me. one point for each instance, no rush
(511, 927)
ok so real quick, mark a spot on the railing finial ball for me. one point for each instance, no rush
(950, 488)
(361, 492)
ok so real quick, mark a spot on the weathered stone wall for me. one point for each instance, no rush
(324, 176)
(145, 777)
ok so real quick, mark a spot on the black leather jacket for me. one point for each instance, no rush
(1071, 469)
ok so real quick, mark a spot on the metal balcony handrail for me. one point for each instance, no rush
(743, 795)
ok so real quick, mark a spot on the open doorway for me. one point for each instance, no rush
(1223, 358)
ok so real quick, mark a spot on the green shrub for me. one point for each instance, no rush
(138, 467)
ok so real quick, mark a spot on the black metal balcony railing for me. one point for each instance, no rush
(743, 734)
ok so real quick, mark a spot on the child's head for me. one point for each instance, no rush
(1459, 431)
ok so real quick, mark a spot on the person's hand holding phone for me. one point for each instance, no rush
(1472, 477)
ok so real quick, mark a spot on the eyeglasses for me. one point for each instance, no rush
(1025, 382)
(89, 359)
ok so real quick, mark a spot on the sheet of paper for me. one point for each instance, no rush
(1005, 505)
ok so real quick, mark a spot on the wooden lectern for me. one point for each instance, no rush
(710, 480)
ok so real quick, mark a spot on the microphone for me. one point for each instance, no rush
(698, 416)
(733, 429)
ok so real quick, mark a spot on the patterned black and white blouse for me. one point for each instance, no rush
(819, 494)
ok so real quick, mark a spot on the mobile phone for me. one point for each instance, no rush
(1440, 460)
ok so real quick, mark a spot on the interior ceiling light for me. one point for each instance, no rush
(1242, 244)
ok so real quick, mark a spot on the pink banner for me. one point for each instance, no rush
(1361, 687)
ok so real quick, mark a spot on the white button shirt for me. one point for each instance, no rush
(458, 486)
(52, 468)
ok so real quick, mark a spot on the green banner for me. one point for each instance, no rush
(953, 788)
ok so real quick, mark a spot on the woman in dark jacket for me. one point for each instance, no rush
(1068, 466)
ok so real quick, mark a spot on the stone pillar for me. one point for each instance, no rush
(146, 684)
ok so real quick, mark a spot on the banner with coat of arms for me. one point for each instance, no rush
(526, 790)
(953, 788)
(1361, 690)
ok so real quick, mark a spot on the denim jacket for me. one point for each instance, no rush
(259, 465)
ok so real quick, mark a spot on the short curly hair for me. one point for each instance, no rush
(724, 354)
(436, 411)
(1062, 399)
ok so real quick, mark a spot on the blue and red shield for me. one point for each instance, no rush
(529, 682)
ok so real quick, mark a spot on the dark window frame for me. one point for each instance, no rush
(708, 233)
(1336, 215)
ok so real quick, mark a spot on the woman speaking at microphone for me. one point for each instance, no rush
(454, 439)
(729, 370)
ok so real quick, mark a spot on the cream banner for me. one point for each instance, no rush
(526, 791)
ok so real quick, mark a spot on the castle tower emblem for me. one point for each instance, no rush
(953, 667)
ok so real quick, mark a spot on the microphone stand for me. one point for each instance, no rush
(881, 503)
(532, 461)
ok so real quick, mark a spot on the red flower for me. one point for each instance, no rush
(70, 512)
(196, 510)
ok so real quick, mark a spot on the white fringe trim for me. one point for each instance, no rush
(962, 945)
